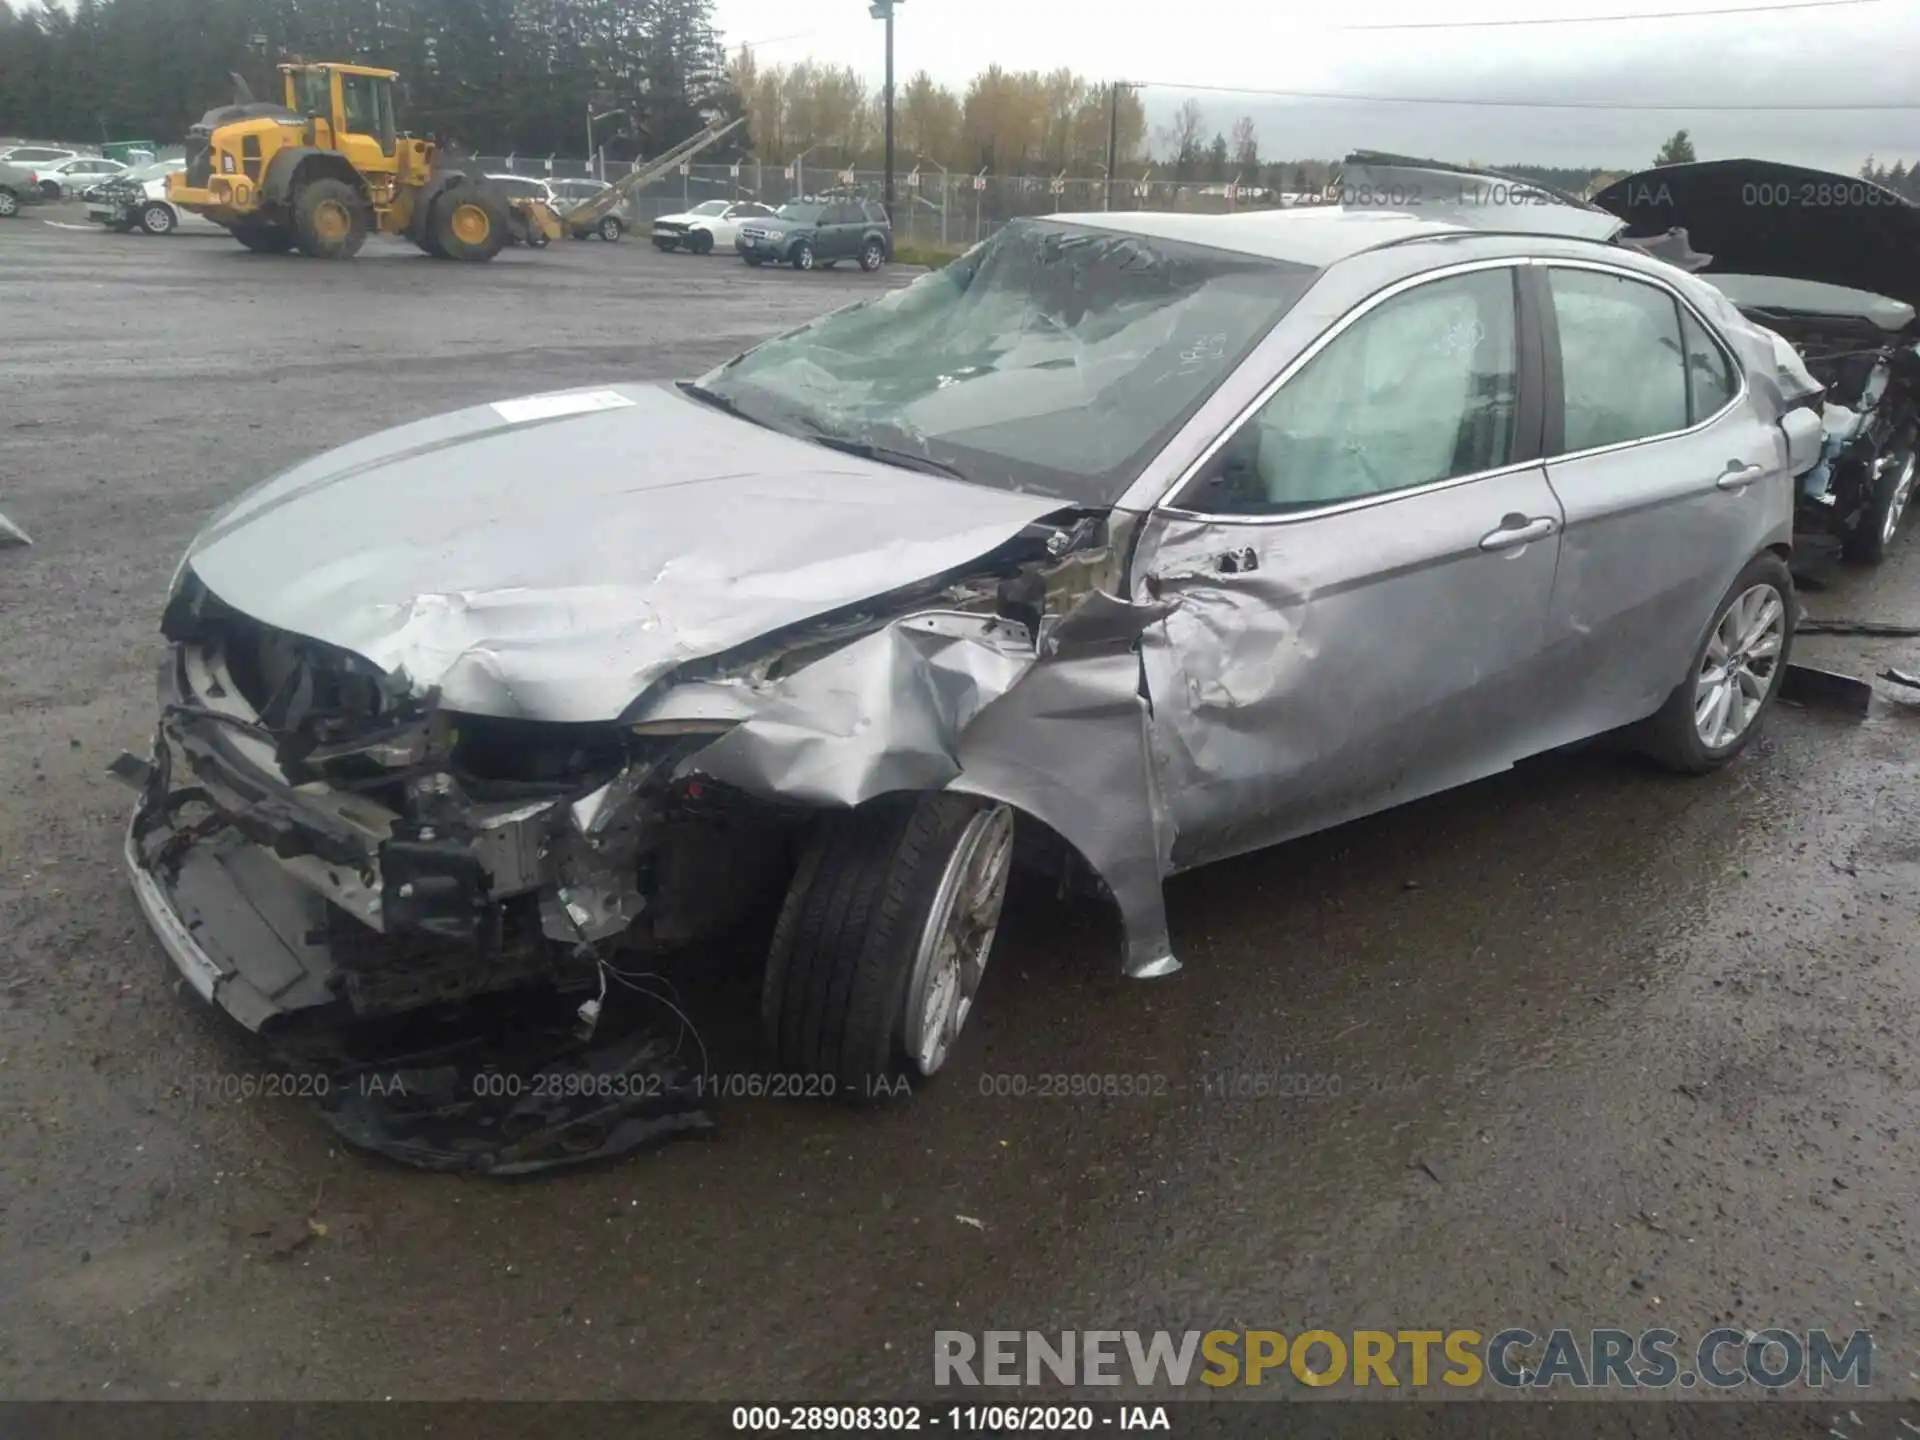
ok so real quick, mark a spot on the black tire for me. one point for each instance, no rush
(9, 204)
(701, 242)
(801, 255)
(50, 189)
(873, 254)
(1671, 736)
(838, 969)
(264, 239)
(1867, 542)
(610, 229)
(329, 219)
(469, 222)
(157, 218)
(666, 246)
(756, 261)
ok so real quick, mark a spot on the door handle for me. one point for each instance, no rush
(1516, 531)
(1737, 476)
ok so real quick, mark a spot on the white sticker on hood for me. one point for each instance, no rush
(546, 407)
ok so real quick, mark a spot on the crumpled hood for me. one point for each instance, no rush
(552, 557)
(1760, 217)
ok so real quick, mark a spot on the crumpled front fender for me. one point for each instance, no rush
(1056, 727)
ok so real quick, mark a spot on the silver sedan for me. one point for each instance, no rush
(1150, 538)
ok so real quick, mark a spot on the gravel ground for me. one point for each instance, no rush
(1611, 1048)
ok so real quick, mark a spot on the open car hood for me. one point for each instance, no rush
(552, 557)
(1758, 217)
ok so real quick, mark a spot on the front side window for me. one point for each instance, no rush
(805, 212)
(1622, 371)
(1421, 388)
(1052, 358)
(310, 93)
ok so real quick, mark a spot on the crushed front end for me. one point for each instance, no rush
(312, 835)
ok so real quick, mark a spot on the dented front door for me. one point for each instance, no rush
(1360, 576)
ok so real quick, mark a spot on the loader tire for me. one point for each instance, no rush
(264, 239)
(469, 223)
(329, 220)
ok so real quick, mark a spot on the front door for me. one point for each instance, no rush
(1360, 577)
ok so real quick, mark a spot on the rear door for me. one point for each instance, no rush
(1671, 476)
(840, 231)
(1360, 574)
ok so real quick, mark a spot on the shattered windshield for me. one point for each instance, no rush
(1053, 358)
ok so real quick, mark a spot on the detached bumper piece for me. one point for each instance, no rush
(451, 1041)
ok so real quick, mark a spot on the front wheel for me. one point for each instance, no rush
(701, 242)
(329, 220)
(469, 223)
(884, 937)
(802, 256)
(1867, 543)
(665, 246)
(755, 261)
(157, 218)
(1715, 712)
(610, 228)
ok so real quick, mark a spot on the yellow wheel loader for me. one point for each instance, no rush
(328, 166)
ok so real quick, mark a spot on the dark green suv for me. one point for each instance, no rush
(819, 232)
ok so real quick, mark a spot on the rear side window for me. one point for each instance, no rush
(1710, 378)
(875, 215)
(1622, 370)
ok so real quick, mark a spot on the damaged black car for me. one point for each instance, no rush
(1829, 262)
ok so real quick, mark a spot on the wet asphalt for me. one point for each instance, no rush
(1582, 1045)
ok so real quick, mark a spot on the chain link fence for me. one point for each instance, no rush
(930, 207)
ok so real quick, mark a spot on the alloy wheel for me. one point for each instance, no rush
(1738, 668)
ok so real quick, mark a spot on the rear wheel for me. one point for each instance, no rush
(884, 937)
(329, 220)
(873, 255)
(609, 228)
(9, 204)
(468, 224)
(157, 218)
(1717, 710)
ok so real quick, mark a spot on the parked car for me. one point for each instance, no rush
(137, 200)
(819, 232)
(709, 225)
(35, 155)
(19, 185)
(1827, 261)
(569, 193)
(67, 178)
(1149, 539)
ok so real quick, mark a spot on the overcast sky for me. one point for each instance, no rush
(1842, 54)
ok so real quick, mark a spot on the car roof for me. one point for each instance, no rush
(1322, 235)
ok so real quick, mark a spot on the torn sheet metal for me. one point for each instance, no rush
(1056, 727)
(456, 552)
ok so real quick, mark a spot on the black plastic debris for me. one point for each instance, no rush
(502, 1085)
(602, 1103)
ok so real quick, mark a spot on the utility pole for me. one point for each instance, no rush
(883, 10)
(1113, 132)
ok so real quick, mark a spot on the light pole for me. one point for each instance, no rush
(883, 10)
(797, 172)
(592, 168)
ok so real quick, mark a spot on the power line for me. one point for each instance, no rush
(1772, 105)
(1606, 19)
